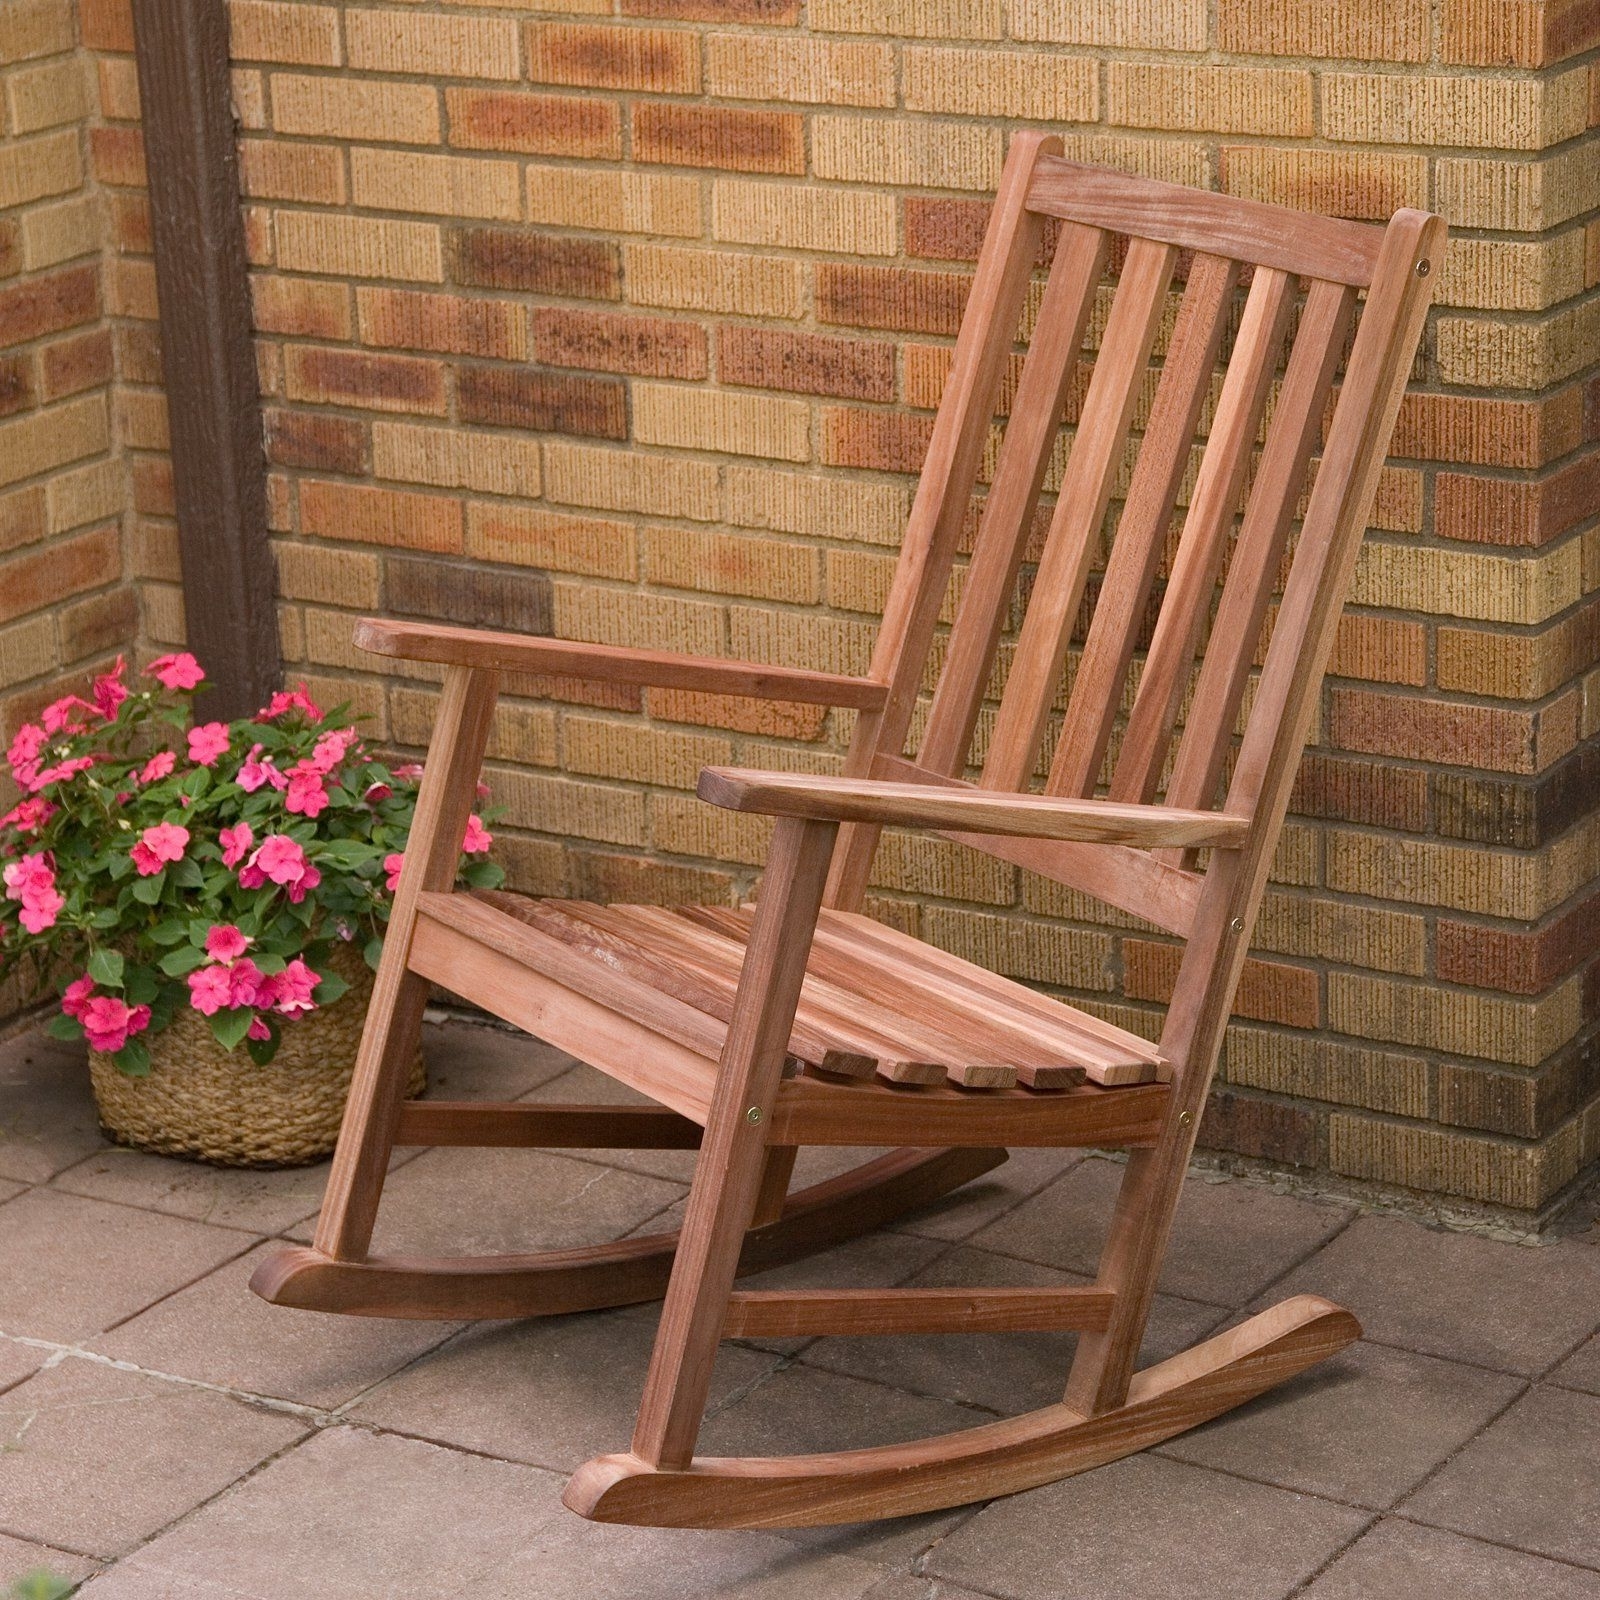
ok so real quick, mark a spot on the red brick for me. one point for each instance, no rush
(45, 577)
(1516, 33)
(22, 517)
(1519, 960)
(100, 623)
(10, 247)
(130, 222)
(770, 718)
(389, 517)
(808, 363)
(1269, 991)
(881, 441)
(654, 60)
(952, 230)
(1251, 1125)
(1516, 511)
(546, 402)
(16, 385)
(505, 258)
(1380, 649)
(1432, 730)
(769, 13)
(1378, 795)
(48, 304)
(540, 124)
(117, 156)
(69, 366)
(354, 378)
(152, 486)
(607, 341)
(302, 307)
(313, 439)
(719, 136)
(415, 320)
(884, 298)
(106, 25)
(1489, 432)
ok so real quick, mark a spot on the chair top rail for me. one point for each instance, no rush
(1196, 219)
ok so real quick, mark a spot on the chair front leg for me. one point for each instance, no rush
(734, 1154)
(394, 1018)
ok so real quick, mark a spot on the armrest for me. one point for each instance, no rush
(566, 658)
(968, 810)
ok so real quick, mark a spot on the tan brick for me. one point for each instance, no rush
(332, 577)
(997, 83)
(1513, 274)
(753, 66)
(295, 306)
(687, 826)
(1525, 196)
(454, 186)
(794, 638)
(828, 506)
(1516, 33)
(455, 458)
(629, 480)
(1208, 99)
(389, 517)
(301, 35)
(606, 749)
(569, 808)
(1467, 583)
(723, 563)
(272, 170)
(51, 438)
(1493, 113)
(605, 341)
(31, 169)
(413, 320)
(49, 95)
(30, 28)
(432, 46)
(803, 217)
(772, 719)
(652, 60)
(372, 382)
(1349, 935)
(60, 232)
(1489, 353)
(1517, 666)
(920, 865)
(1363, 184)
(911, 19)
(540, 124)
(117, 79)
(1327, 1069)
(714, 419)
(890, 150)
(557, 541)
(87, 494)
(614, 202)
(625, 616)
(1352, 29)
(355, 108)
(714, 280)
(358, 247)
(769, 13)
(1126, 24)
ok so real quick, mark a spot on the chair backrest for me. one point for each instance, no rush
(1226, 249)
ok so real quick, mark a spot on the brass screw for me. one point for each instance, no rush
(1424, 267)
(1185, 1118)
(1237, 925)
(753, 1114)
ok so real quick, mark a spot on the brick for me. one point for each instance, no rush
(614, 202)
(1349, 29)
(1485, 431)
(102, 24)
(333, 577)
(45, 440)
(11, 247)
(355, 108)
(813, 71)
(389, 517)
(795, 638)
(722, 563)
(1297, 924)
(21, 517)
(301, 35)
(768, 358)
(1525, 196)
(17, 391)
(640, 880)
(919, 865)
(649, 60)
(549, 402)
(624, 616)
(453, 186)
(1358, 791)
(1513, 274)
(601, 748)
(31, 28)
(1269, 991)
(117, 80)
(52, 234)
(891, 150)
(1519, 960)
(993, 83)
(825, 507)
(99, 624)
(48, 96)
(540, 124)
(309, 439)
(610, 342)
(432, 46)
(1380, 649)
(296, 306)
(1490, 353)
(1430, 730)
(803, 217)
(1507, 811)
(768, 13)
(1208, 99)
(1518, 666)
(884, 298)
(454, 458)
(372, 382)
(1516, 33)
(89, 493)
(880, 441)
(31, 169)
(683, 825)
(1464, 583)
(1344, 1073)
(414, 320)
(628, 480)
(912, 19)
(1125, 24)
(1362, 184)
(711, 419)
(44, 305)
(1498, 113)
(719, 136)
(68, 567)
(272, 170)
(69, 366)
(714, 280)
(358, 247)
(526, 536)
(116, 156)
(1264, 1130)
(504, 258)
(470, 594)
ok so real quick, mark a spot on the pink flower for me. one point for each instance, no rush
(32, 881)
(412, 769)
(235, 841)
(24, 753)
(248, 985)
(376, 792)
(207, 742)
(294, 987)
(28, 816)
(224, 942)
(62, 770)
(295, 699)
(158, 766)
(306, 794)
(58, 715)
(41, 910)
(281, 860)
(110, 691)
(392, 865)
(180, 671)
(157, 845)
(254, 772)
(478, 838)
(258, 1029)
(209, 990)
(108, 1021)
(77, 995)
(331, 748)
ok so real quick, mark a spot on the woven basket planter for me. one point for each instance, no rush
(215, 1105)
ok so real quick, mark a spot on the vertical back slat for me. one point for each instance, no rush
(1008, 511)
(1080, 510)
(994, 306)
(1186, 605)
(1142, 528)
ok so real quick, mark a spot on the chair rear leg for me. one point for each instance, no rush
(394, 1018)
(734, 1155)
(776, 1173)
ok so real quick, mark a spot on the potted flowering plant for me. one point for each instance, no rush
(211, 900)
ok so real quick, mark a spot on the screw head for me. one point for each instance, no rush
(753, 1114)
(1424, 267)
(1185, 1118)
(1237, 925)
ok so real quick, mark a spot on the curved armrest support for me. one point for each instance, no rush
(566, 658)
(965, 810)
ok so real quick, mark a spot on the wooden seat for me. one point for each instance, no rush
(1145, 764)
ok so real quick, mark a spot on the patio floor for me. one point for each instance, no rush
(167, 1436)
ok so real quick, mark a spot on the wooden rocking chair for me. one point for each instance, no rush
(807, 1023)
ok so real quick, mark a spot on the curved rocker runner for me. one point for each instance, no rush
(800, 1021)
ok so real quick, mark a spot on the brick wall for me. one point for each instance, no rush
(625, 321)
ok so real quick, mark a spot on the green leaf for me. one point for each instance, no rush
(105, 967)
(121, 866)
(61, 1026)
(483, 875)
(148, 890)
(173, 931)
(372, 951)
(133, 1059)
(180, 962)
(231, 1026)
(329, 990)
(263, 1050)
(267, 962)
(140, 986)
(186, 874)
